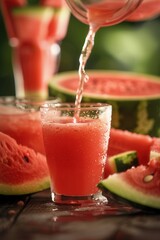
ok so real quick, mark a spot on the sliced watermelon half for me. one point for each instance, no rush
(22, 170)
(140, 185)
(135, 98)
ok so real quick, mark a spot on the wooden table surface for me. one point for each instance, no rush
(35, 217)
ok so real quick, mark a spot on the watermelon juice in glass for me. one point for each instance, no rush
(76, 142)
(20, 119)
(35, 28)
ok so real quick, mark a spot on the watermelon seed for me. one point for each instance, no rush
(26, 159)
(148, 178)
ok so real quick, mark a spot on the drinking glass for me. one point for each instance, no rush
(76, 142)
(35, 29)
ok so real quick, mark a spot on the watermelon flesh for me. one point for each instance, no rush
(155, 148)
(156, 145)
(22, 170)
(112, 84)
(121, 141)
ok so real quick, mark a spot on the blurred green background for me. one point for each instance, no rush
(127, 46)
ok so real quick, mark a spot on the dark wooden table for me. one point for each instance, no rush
(35, 217)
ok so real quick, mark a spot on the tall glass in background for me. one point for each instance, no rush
(35, 29)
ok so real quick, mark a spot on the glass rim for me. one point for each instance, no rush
(25, 105)
(71, 106)
(32, 100)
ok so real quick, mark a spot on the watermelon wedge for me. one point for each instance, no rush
(138, 185)
(22, 170)
(121, 141)
(135, 98)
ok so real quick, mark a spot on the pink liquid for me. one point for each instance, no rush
(25, 128)
(32, 37)
(76, 154)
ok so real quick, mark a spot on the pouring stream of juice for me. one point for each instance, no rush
(97, 13)
(85, 53)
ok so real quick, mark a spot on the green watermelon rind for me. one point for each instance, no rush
(145, 119)
(41, 94)
(118, 186)
(123, 161)
(26, 188)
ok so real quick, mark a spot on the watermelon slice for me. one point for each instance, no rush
(22, 170)
(138, 185)
(135, 98)
(121, 141)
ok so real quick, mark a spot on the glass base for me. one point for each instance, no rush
(78, 200)
(68, 208)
